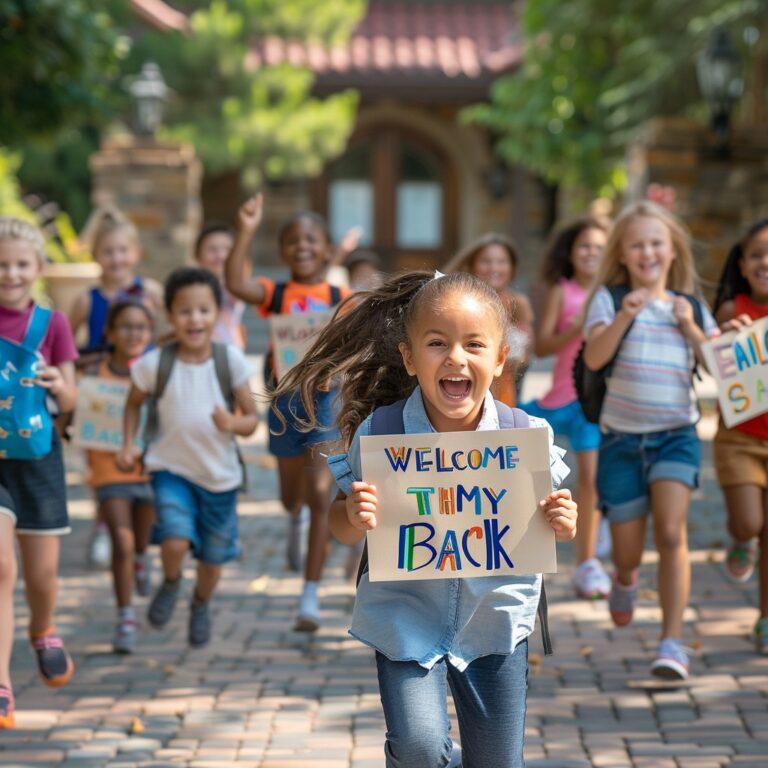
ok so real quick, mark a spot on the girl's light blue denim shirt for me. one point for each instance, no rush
(461, 619)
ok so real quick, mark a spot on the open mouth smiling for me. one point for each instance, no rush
(455, 387)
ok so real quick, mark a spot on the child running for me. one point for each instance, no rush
(212, 247)
(37, 354)
(569, 269)
(192, 459)
(305, 247)
(115, 247)
(493, 258)
(649, 450)
(125, 500)
(439, 342)
(741, 453)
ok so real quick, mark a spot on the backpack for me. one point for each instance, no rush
(26, 426)
(591, 385)
(388, 420)
(167, 359)
(276, 308)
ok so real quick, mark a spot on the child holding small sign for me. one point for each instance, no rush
(439, 342)
(37, 354)
(741, 452)
(650, 453)
(305, 247)
(125, 499)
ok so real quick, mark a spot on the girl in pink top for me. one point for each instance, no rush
(570, 265)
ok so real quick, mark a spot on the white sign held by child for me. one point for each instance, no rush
(98, 423)
(459, 504)
(739, 363)
(292, 335)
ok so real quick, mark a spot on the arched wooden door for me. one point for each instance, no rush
(401, 190)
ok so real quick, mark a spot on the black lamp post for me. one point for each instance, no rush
(149, 92)
(721, 83)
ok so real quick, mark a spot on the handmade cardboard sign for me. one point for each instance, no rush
(459, 504)
(98, 422)
(739, 363)
(292, 335)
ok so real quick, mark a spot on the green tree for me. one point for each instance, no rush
(593, 71)
(262, 120)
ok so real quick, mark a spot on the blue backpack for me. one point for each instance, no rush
(26, 426)
(388, 420)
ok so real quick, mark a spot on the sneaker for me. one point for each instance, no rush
(162, 605)
(125, 636)
(100, 552)
(53, 662)
(294, 549)
(604, 542)
(740, 560)
(621, 601)
(199, 624)
(590, 580)
(142, 574)
(308, 619)
(761, 636)
(671, 662)
(7, 709)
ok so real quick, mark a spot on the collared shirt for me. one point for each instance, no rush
(460, 619)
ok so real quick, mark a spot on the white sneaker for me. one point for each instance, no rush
(604, 542)
(590, 580)
(100, 552)
(308, 619)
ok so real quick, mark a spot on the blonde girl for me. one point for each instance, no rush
(649, 452)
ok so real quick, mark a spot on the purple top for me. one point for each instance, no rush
(58, 345)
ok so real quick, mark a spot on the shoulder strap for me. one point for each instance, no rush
(335, 294)
(39, 321)
(511, 418)
(276, 305)
(164, 368)
(223, 373)
(388, 419)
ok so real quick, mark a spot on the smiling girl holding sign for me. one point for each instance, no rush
(741, 453)
(440, 343)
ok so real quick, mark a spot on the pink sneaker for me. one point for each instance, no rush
(621, 601)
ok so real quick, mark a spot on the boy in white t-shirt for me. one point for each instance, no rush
(192, 460)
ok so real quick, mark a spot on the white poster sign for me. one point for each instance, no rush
(459, 504)
(98, 422)
(292, 335)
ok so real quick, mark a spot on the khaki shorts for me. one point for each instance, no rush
(740, 459)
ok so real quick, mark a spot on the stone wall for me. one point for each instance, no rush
(718, 196)
(157, 185)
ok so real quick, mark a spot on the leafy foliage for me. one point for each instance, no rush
(593, 72)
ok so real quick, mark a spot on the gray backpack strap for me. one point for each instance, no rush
(164, 368)
(223, 374)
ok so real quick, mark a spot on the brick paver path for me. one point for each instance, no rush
(264, 697)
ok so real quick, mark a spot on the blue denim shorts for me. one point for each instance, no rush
(629, 463)
(136, 493)
(34, 491)
(568, 420)
(288, 442)
(206, 519)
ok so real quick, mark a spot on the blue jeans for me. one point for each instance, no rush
(489, 695)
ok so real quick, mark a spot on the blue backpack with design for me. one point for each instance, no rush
(26, 426)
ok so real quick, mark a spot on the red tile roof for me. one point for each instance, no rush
(160, 15)
(439, 40)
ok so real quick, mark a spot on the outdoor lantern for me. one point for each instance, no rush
(721, 82)
(149, 92)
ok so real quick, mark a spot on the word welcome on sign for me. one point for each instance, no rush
(459, 504)
(98, 423)
(292, 335)
(739, 363)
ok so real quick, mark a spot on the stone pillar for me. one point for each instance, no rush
(157, 185)
(718, 196)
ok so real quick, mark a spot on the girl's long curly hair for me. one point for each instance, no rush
(557, 261)
(359, 348)
(731, 280)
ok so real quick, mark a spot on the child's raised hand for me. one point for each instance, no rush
(683, 311)
(223, 419)
(634, 301)
(249, 213)
(561, 512)
(361, 506)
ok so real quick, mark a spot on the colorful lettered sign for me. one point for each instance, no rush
(459, 504)
(739, 363)
(98, 422)
(292, 335)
